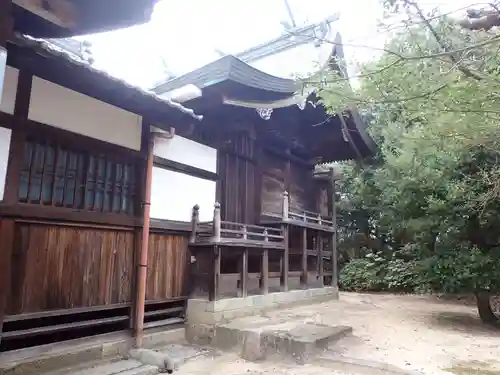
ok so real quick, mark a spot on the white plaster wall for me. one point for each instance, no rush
(174, 194)
(69, 110)
(9, 90)
(4, 157)
(188, 152)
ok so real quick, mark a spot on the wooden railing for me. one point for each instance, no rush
(219, 231)
(300, 217)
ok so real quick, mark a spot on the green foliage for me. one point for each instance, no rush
(374, 273)
(424, 213)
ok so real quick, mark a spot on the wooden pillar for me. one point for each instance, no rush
(214, 287)
(285, 264)
(303, 277)
(319, 247)
(264, 287)
(243, 290)
(7, 228)
(334, 235)
(6, 22)
(264, 275)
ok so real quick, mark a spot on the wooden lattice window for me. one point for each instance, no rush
(52, 175)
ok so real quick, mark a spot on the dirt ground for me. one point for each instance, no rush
(416, 333)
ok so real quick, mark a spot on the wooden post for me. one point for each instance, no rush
(6, 22)
(217, 223)
(285, 256)
(284, 260)
(303, 278)
(195, 219)
(7, 228)
(334, 235)
(214, 287)
(243, 290)
(264, 277)
(319, 244)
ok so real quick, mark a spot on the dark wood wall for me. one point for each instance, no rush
(253, 178)
(238, 178)
(70, 224)
(167, 266)
(63, 267)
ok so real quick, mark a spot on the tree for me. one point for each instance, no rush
(426, 207)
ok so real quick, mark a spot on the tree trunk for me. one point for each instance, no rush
(484, 308)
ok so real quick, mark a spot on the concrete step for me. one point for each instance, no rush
(258, 337)
(169, 357)
(113, 367)
(81, 352)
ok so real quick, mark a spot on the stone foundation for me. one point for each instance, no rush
(204, 315)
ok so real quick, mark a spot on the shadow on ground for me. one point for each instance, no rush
(463, 322)
(474, 368)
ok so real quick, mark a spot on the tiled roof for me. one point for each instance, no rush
(44, 47)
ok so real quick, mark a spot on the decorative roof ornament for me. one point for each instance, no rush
(302, 104)
(264, 113)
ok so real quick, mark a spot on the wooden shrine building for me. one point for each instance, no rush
(117, 205)
(272, 228)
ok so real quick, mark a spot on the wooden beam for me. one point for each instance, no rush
(63, 13)
(184, 168)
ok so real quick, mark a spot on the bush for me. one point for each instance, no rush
(376, 273)
(459, 270)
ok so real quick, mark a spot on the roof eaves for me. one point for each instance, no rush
(44, 47)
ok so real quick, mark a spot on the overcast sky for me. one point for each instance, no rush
(186, 33)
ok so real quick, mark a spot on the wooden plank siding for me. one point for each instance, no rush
(237, 168)
(273, 183)
(69, 267)
(167, 260)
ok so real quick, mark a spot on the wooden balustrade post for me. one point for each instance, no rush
(320, 220)
(286, 205)
(303, 278)
(285, 256)
(264, 277)
(217, 223)
(195, 219)
(245, 232)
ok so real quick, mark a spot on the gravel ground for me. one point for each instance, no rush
(416, 333)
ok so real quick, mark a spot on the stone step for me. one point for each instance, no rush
(81, 352)
(114, 367)
(169, 357)
(258, 337)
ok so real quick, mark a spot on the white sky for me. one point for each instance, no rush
(186, 33)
